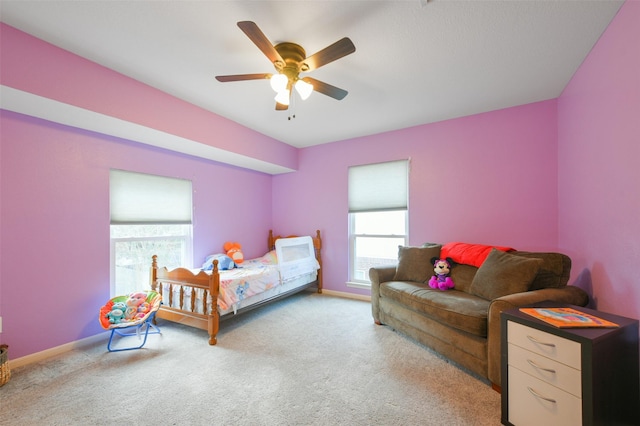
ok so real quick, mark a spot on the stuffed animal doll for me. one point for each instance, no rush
(116, 314)
(224, 262)
(234, 251)
(441, 280)
(143, 309)
(133, 302)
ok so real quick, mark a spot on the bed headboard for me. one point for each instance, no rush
(317, 242)
(296, 256)
(317, 246)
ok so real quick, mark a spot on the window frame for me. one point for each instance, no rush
(354, 281)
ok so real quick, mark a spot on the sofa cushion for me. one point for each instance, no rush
(504, 273)
(554, 271)
(462, 276)
(453, 308)
(414, 263)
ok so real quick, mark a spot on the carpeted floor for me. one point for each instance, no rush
(307, 360)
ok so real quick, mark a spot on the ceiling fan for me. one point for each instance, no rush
(289, 60)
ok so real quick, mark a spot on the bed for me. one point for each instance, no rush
(201, 299)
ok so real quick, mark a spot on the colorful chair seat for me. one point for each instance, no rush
(127, 316)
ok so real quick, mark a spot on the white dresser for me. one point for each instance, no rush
(571, 376)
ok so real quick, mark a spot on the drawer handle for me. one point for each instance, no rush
(538, 367)
(534, 340)
(537, 395)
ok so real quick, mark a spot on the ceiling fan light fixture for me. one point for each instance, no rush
(289, 60)
(279, 82)
(283, 97)
(304, 89)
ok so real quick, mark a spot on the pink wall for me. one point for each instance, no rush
(54, 189)
(55, 223)
(33, 66)
(488, 178)
(599, 169)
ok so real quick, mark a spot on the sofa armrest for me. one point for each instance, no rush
(377, 276)
(569, 294)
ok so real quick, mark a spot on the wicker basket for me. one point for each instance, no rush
(5, 373)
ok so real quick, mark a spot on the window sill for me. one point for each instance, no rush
(366, 286)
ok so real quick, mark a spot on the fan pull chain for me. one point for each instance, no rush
(292, 107)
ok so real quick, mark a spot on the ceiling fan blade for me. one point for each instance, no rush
(326, 89)
(242, 77)
(259, 39)
(337, 50)
(281, 107)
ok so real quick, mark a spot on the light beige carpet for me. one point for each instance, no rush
(307, 360)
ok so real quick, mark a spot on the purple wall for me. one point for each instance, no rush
(489, 178)
(599, 167)
(55, 189)
(55, 223)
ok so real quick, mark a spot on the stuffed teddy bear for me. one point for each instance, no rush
(441, 280)
(234, 251)
(116, 314)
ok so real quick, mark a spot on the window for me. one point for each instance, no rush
(378, 216)
(149, 215)
(132, 247)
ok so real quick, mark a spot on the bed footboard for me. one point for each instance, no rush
(188, 298)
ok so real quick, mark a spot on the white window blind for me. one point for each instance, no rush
(137, 198)
(379, 187)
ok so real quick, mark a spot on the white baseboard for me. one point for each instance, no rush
(48, 353)
(347, 295)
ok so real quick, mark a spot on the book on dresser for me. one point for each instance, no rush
(567, 317)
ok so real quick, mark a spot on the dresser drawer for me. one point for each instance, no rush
(548, 345)
(535, 402)
(550, 371)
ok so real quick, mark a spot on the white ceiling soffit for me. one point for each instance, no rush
(69, 115)
(416, 61)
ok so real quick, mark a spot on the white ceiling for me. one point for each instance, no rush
(416, 61)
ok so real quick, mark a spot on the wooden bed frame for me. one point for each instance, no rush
(210, 283)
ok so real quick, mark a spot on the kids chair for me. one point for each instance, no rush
(128, 315)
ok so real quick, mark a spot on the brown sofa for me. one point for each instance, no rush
(463, 324)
